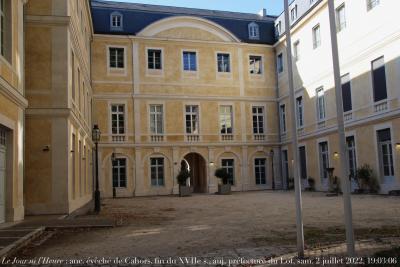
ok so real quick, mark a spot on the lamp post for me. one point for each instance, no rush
(271, 153)
(96, 138)
(113, 163)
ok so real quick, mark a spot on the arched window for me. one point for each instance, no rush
(254, 31)
(116, 21)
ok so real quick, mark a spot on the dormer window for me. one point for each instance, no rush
(254, 31)
(116, 21)
(278, 28)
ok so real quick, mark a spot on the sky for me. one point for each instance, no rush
(274, 7)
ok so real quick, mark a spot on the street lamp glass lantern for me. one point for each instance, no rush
(96, 133)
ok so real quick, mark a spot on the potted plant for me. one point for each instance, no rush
(184, 190)
(311, 184)
(366, 180)
(225, 187)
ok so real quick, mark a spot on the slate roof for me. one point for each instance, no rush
(138, 16)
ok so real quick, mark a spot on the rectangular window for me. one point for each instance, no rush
(260, 171)
(189, 61)
(6, 29)
(282, 113)
(379, 79)
(385, 152)
(323, 159)
(224, 64)
(371, 4)
(229, 166)
(73, 148)
(119, 172)
(116, 21)
(278, 28)
(340, 18)
(303, 162)
(258, 119)
(154, 59)
(279, 63)
(351, 148)
(157, 171)
(296, 51)
(255, 64)
(118, 119)
(117, 57)
(156, 119)
(192, 119)
(300, 112)
(285, 167)
(320, 104)
(316, 34)
(346, 93)
(73, 75)
(226, 119)
(293, 13)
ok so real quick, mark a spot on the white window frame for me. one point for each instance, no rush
(115, 71)
(278, 29)
(279, 63)
(321, 158)
(321, 113)
(282, 117)
(116, 15)
(293, 13)
(258, 121)
(341, 25)
(191, 114)
(300, 112)
(261, 65)
(316, 36)
(154, 72)
(224, 118)
(183, 60)
(229, 167)
(117, 113)
(158, 184)
(217, 63)
(119, 167)
(259, 166)
(254, 31)
(155, 113)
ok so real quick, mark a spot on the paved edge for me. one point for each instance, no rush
(22, 242)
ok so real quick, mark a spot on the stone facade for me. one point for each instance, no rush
(12, 107)
(58, 177)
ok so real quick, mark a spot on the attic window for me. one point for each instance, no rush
(116, 21)
(254, 31)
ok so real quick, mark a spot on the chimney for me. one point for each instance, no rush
(263, 12)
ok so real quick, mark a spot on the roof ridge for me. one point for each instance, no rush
(206, 12)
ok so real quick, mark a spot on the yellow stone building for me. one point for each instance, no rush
(58, 169)
(182, 87)
(12, 108)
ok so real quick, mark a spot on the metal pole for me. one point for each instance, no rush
(297, 183)
(97, 192)
(342, 138)
(273, 174)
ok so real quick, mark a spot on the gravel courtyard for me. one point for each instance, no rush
(245, 224)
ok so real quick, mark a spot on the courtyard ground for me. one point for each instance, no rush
(253, 224)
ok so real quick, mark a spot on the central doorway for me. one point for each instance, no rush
(198, 177)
